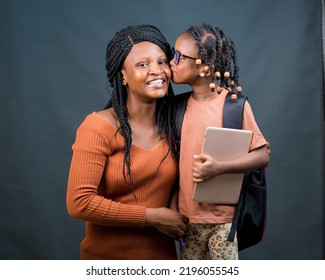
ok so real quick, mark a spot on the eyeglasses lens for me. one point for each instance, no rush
(176, 56)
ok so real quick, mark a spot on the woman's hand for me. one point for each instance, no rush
(167, 221)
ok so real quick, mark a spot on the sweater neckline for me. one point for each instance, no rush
(157, 147)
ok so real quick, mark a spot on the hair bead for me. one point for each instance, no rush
(226, 75)
(198, 62)
(234, 96)
(212, 87)
(219, 89)
(239, 89)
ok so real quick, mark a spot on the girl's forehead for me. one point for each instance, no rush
(185, 41)
(185, 37)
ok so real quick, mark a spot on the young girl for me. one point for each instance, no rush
(123, 168)
(205, 58)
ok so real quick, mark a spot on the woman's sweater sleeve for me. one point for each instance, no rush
(90, 151)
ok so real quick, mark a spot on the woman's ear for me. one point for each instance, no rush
(124, 82)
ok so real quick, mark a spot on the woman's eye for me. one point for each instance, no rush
(163, 62)
(143, 64)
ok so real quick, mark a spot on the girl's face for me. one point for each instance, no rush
(185, 72)
(146, 72)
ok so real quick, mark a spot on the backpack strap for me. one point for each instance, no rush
(233, 111)
(181, 104)
(232, 118)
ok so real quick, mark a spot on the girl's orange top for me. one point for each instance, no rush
(98, 194)
(198, 116)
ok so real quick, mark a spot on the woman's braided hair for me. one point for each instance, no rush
(117, 50)
(218, 51)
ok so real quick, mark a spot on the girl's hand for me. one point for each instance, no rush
(205, 168)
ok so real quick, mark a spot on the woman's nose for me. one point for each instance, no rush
(156, 69)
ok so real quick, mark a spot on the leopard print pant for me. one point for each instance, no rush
(203, 238)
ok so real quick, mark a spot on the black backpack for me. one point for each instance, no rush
(249, 219)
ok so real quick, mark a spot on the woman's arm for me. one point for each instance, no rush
(83, 200)
(173, 201)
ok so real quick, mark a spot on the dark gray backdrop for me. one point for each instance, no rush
(52, 75)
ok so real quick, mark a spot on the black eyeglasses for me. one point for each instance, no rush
(177, 55)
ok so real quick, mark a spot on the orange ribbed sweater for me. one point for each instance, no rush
(98, 194)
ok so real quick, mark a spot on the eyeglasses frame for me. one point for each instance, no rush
(180, 55)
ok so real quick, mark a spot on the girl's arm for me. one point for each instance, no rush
(206, 168)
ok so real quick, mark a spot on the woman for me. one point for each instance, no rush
(123, 167)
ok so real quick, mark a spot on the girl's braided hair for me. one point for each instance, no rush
(218, 51)
(117, 50)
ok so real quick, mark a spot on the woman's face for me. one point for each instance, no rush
(185, 72)
(146, 72)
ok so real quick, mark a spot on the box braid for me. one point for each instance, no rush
(218, 52)
(117, 50)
